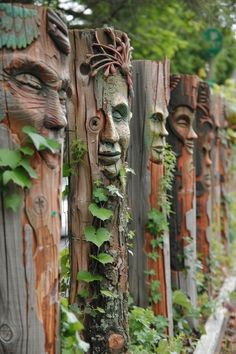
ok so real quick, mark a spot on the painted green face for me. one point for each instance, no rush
(156, 132)
(115, 132)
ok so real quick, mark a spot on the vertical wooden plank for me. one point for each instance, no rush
(151, 97)
(181, 137)
(216, 222)
(34, 81)
(204, 144)
(99, 114)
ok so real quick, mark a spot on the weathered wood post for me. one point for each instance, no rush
(33, 78)
(148, 132)
(224, 178)
(204, 143)
(182, 108)
(217, 109)
(99, 115)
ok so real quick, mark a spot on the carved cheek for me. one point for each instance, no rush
(124, 135)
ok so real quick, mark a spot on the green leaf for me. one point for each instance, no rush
(97, 237)
(26, 150)
(39, 141)
(99, 195)
(9, 158)
(101, 213)
(100, 310)
(103, 258)
(88, 277)
(107, 293)
(12, 201)
(179, 298)
(19, 176)
(26, 165)
(114, 190)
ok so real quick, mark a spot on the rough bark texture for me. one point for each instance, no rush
(99, 115)
(151, 97)
(204, 144)
(31, 73)
(181, 137)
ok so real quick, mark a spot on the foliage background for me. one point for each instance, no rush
(159, 28)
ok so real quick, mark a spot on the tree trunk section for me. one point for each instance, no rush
(99, 116)
(181, 137)
(32, 64)
(151, 97)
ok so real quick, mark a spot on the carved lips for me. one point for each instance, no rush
(109, 156)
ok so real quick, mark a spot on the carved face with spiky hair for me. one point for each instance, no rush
(110, 65)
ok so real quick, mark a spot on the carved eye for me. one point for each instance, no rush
(29, 80)
(120, 112)
(183, 121)
(94, 123)
(157, 117)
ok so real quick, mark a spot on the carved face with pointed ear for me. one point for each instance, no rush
(35, 83)
(115, 133)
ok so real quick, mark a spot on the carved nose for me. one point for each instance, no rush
(55, 123)
(109, 133)
(164, 132)
(192, 134)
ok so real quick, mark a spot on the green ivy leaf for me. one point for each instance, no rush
(101, 213)
(19, 176)
(103, 258)
(9, 158)
(99, 309)
(97, 237)
(12, 201)
(39, 141)
(88, 277)
(26, 165)
(179, 298)
(114, 191)
(99, 195)
(106, 293)
(26, 150)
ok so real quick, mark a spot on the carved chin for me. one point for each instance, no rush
(112, 171)
(156, 156)
(50, 158)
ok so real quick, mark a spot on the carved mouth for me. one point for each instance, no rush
(158, 149)
(207, 179)
(109, 157)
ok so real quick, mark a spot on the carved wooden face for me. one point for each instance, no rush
(156, 135)
(182, 123)
(115, 132)
(35, 84)
(203, 155)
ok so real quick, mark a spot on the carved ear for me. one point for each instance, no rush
(57, 29)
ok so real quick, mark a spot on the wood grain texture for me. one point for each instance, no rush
(151, 96)
(203, 149)
(182, 109)
(32, 87)
(94, 99)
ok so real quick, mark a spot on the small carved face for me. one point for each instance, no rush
(35, 96)
(115, 133)
(156, 135)
(203, 152)
(182, 122)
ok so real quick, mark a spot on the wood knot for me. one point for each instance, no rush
(6, 333)
(116, 342)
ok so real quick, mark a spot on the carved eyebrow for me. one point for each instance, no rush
(28, 65)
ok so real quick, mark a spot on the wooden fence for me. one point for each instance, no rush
(37, 76)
